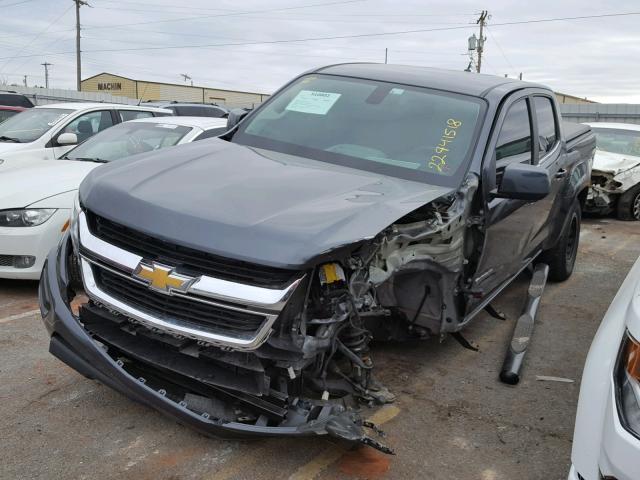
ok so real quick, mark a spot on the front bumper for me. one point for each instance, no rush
(619, 450)
(72, 344)
(34, 241)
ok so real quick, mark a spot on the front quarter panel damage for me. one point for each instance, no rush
(418, 266)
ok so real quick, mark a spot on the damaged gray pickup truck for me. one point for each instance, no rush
(235, 284)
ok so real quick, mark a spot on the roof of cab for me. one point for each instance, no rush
(467, 83)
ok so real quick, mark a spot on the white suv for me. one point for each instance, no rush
(47, 132)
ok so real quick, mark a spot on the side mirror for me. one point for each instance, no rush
(524, 182)
(235, 117)
(68, 139)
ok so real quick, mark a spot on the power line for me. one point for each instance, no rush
(230, 14)
(17, 55)
(334, 37)
(14, 4)
(501, 50)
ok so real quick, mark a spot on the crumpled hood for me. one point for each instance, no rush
(20, 187)
(250, 204)
(614, 163)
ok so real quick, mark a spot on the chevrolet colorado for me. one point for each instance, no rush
(236, 283)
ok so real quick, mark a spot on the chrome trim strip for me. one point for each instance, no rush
(105, 251)
(257, 297)
(172, 326)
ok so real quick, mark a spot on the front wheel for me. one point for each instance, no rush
(562, 257)
(629, 204)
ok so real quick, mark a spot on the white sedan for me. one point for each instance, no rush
(49, 131)
(606, 442)
(36, 199)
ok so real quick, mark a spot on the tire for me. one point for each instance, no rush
(629, 204)
(562, 257)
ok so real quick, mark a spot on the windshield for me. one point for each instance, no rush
(128, 139)
(5, 114)
(614, 140)
(387, 128)
(31, 124)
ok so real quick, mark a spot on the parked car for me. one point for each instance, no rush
(7, 112)
(606, 441)
(36, 199)
(235, 284)
(193, 109)
(13, 99)
(616, 171)
(48, 132)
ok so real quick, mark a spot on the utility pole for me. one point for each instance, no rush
(386, 54)
(24, 80)
(186, 78)
(46, 66)
(481, 21)
(79, 3)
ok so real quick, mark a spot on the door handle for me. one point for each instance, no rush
(561, 173)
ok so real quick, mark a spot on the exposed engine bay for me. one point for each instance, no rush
(315, 370)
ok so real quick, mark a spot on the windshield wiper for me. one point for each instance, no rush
(4, 138)
(87, 159)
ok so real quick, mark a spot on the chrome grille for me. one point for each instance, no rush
(187, 311)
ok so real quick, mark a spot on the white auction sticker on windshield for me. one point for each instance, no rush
(166, 125)
(310, 101)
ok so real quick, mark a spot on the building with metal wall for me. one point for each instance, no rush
(143, 90)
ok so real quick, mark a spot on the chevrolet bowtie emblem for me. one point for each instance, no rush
(162, 278)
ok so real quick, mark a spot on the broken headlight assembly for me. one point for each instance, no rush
(628, 385)
(25, 217)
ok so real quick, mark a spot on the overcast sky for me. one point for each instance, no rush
(596, 58)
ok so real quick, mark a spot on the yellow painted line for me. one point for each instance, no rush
(386, 413)
(331, 454)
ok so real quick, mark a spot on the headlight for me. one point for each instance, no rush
(26, 217)
(628, 377)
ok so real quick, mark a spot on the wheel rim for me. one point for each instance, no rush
(572, 242)
(635, 208)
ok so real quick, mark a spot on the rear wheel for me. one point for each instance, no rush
(562, 257)
(629, 204)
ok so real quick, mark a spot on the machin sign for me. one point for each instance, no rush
(110, 86)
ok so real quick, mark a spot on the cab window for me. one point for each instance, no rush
(547, 127)
(514, 141)
(87, 125)
(126, 115)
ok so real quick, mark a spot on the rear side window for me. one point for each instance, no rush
(547, 128)
(514, 140)
(126, 115)
(14, 100)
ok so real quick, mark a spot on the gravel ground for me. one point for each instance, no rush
(452, 419)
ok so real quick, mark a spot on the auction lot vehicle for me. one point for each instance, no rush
(235, 284)
(13, 99)
(37, 198)
(192, 109)
(606, 442)
(7, 112)
(616, 171)
(48, 132)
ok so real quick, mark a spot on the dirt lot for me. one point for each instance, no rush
(452, 420)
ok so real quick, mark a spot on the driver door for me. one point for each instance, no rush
(511, 226)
